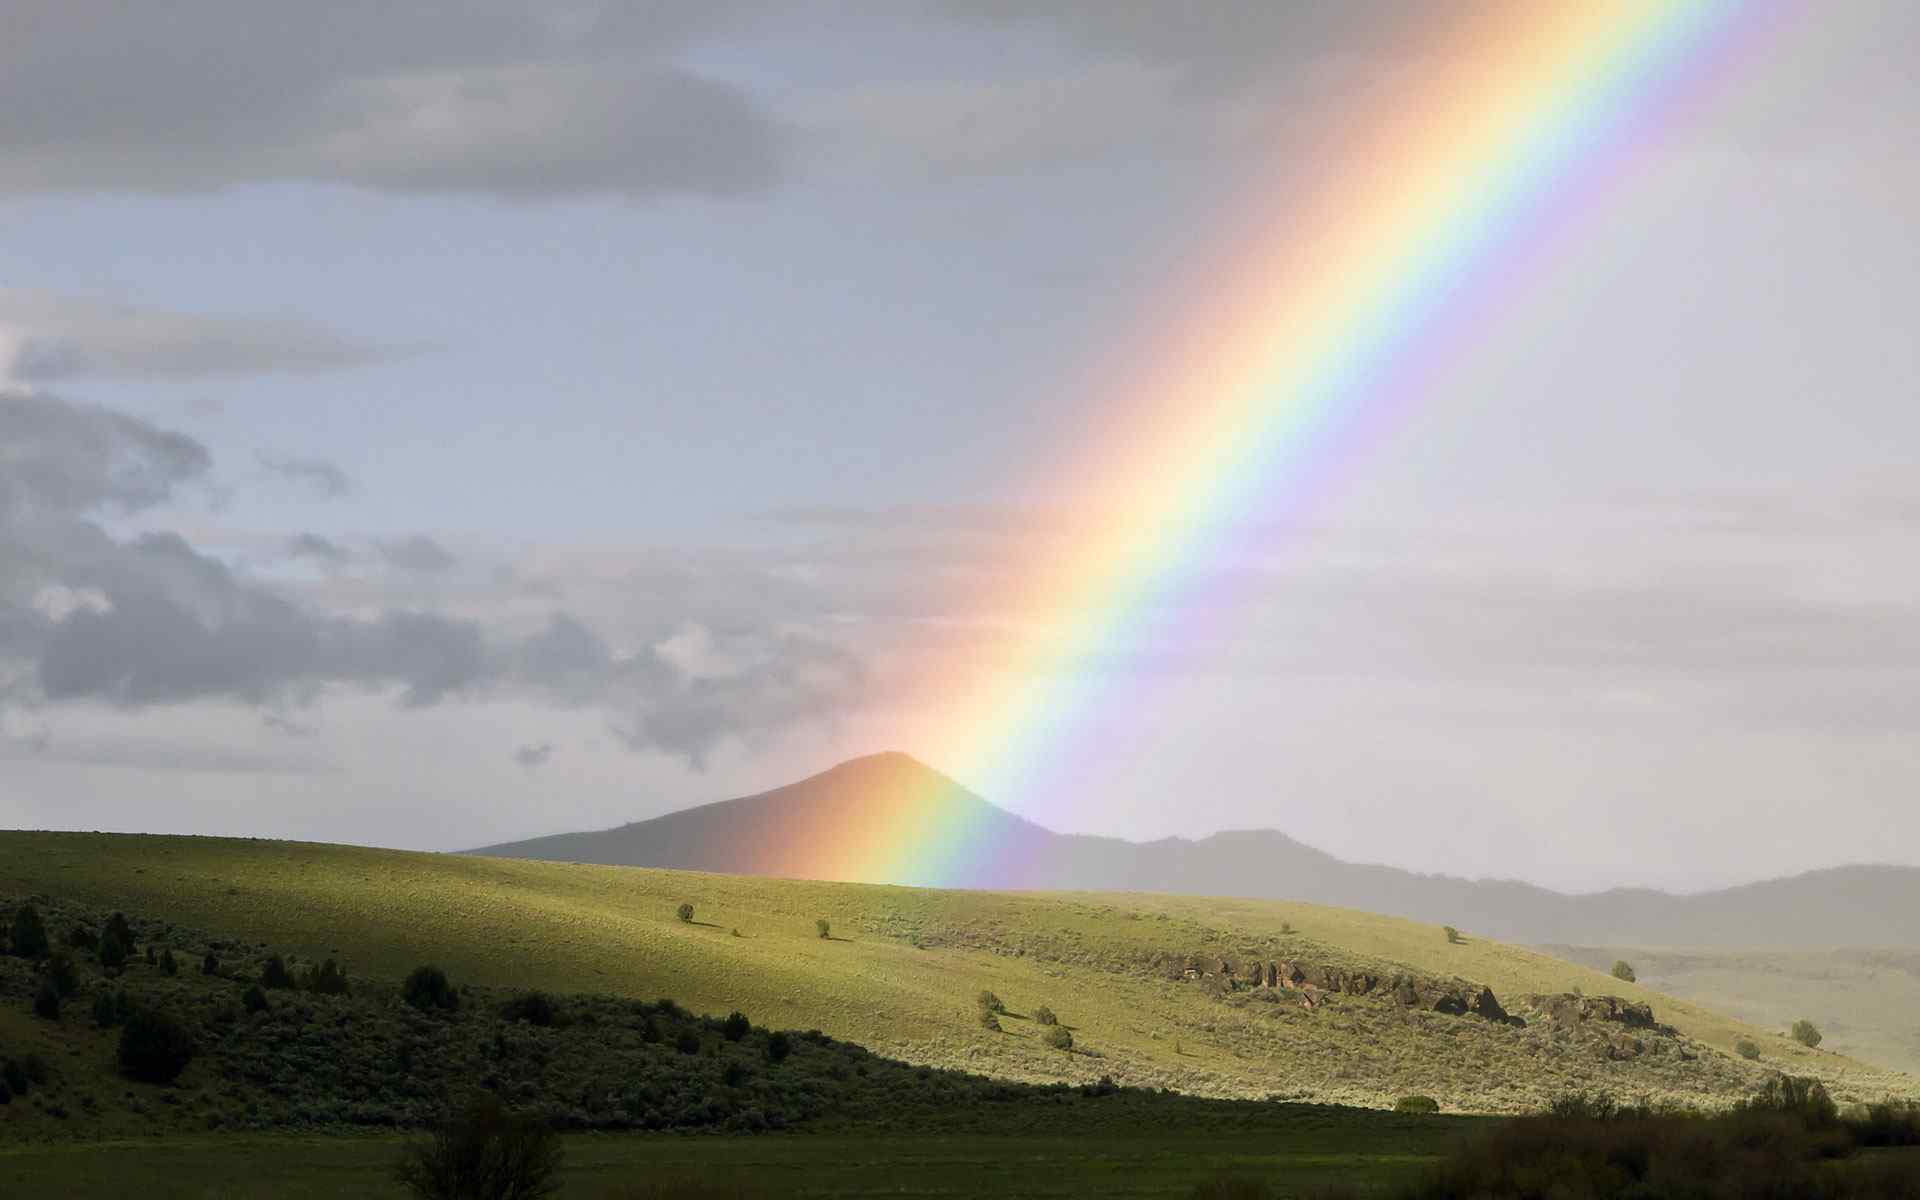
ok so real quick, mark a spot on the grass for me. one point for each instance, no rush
(1343, 1149)
(902, 972)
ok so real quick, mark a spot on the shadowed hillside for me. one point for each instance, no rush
(821, 828)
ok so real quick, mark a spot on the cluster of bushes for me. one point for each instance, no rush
(1787, 1141)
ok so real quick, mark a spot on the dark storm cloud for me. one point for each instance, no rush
(493, 97)
(322, 476)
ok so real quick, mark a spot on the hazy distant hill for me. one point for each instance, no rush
(814, 829)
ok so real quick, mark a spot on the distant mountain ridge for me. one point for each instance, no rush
(814, 829)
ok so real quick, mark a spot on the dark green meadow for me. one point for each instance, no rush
(1357, 1147)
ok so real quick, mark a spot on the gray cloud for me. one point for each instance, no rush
(313, 546)
(492, 97)
(46, 337)
(322, 476)
(534, 756)
(150, 620)
(417, 553)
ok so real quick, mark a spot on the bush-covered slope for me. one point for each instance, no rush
(903, 968)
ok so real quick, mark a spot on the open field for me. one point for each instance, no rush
(1360, 1148)
(900, 974)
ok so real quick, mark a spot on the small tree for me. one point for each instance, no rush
(254, 999)
(327, 979)
(427, 988)
(61, 974)
(118, 927)
(169, 965)
(779, 1046)
(735, 1027)
(988, 1021)
(210, 965)
(46, 1001)
(685, 913)
(1057, 1037)
(1044, 1016)
(1623, 971)
(688, 1042)
(483, 1152)
(275, 973)
(990, 1003)
(110, 1008)
(1746, 1049)
(1805, 1033)
(154, 1048)
(1453, 935)
(29, 934)
(823, 928)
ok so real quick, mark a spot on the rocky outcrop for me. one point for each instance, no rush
(1316, 982)
(1566, 1008)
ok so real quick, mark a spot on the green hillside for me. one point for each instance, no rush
(903, 968)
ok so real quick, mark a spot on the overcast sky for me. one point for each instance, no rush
(433, 424)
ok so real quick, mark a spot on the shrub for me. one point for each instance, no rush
(113, 952)
(169, 965)
(210, 965)
(649, 1031)
(990, 1003)
(117, 927)
(275, 973)
(1044, 1016)
(824, 929)
(1287, 929)
(427, 987)
(61, 974)
(1795, 1095)
(1057, 1037)
(1746, 1049)
(685, 913)
(1416, 1104)
(29, 935)
(110, 1008)
(988, 1021)
(483, 1152)
(688, 1042)
(779, 1046)
(735, 1027)
(1805, 1033)
(154, 1048)
(1453, 935)
(254, 999)
(535, 1008)
(82, 938)
(14, 1073)
(327, 979)
(1623, 971)
(46, 1001)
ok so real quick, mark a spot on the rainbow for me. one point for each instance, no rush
(1294, 344)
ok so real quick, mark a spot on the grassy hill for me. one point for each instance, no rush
(829, 825)
(902, 970)
(1862, 1000)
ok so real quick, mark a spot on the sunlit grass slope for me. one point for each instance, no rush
(904, 966)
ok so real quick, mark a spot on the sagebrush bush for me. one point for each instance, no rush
(991, 1003)
(989, 1021)
(535, 1008)
(1453, 935)
(327, 979)
(736, 1026)
(113, 952)
(62, 974)
(29, 934)
(1416, 1104)
(1623, 971)
(1045, 1016)
(1747, 1049)
(823, 928)
(46, 1001)
(483, 1152)
(254, 999)
(688, 1043)
(685, 912)
(779, 1046)
(1805, 1033)
(1057, 1037)
(154, 1047)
